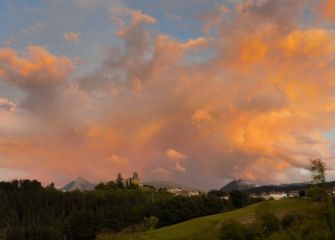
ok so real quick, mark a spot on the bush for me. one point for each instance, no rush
(151, 222)
(266, 220)
(317, 194)
(232, 230)
(290, 220)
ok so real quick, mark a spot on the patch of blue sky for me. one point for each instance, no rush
(10, 92)
(15, 17)
(179, 19)
(330, 134)
(41, 22)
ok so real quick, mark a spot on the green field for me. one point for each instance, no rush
(208, 227)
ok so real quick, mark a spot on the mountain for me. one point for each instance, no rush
(167, 184)
(252, 189)
(237, 185)
(79, 184)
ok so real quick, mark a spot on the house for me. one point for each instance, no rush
(271, 195)
(180, 192)
(293, 194)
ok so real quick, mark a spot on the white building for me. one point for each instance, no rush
(273, 195)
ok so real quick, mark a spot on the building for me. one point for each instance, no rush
(133, 181)
(293, 194)
(271, 195)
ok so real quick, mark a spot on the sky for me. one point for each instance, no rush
(189, 91)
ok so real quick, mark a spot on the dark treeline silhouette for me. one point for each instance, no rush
(284, 188)
(30, 211)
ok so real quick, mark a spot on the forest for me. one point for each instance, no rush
(30, 211)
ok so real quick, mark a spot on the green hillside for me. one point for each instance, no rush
(208, 227)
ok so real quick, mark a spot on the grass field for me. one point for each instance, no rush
(208, 227)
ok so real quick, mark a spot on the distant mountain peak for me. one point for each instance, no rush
(80, 180)
(237, 185)
(79, 183)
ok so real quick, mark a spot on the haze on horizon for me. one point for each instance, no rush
(196, 92)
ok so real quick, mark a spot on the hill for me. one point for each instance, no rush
(208, 227)
(237, 185)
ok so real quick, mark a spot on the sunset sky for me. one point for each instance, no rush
(191, 91)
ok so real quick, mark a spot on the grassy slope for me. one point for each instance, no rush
(208, 227)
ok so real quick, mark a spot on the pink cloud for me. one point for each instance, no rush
(256, 110)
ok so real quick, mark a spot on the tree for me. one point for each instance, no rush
(238, 198)
(302, 193)
(110, 185)
(317, 169)
(100, 186)
(119, 181)
(83, 225)
(319, 193)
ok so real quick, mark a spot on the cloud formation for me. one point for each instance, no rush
(72, 37)
(173, 154)
(7, 105)
(251, 98)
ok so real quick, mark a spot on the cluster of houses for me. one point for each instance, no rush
(290, 194)
(176, 191)
(180, 192)
(276, 195)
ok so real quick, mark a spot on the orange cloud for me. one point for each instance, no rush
(37, 67)
(201, 115)
(253, 50)
(328, 9)
(256, 109)
(173, 154)
(312, 43)
(118, 161)
(180, 168)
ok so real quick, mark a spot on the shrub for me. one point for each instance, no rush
(232, 230)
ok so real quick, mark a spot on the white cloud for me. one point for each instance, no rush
(180, 168)
(7, 105)
(119, 161)
(173, 154)
(72, 37)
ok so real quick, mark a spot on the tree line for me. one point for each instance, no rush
(29, 211)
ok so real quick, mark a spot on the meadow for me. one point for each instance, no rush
(208, 227)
